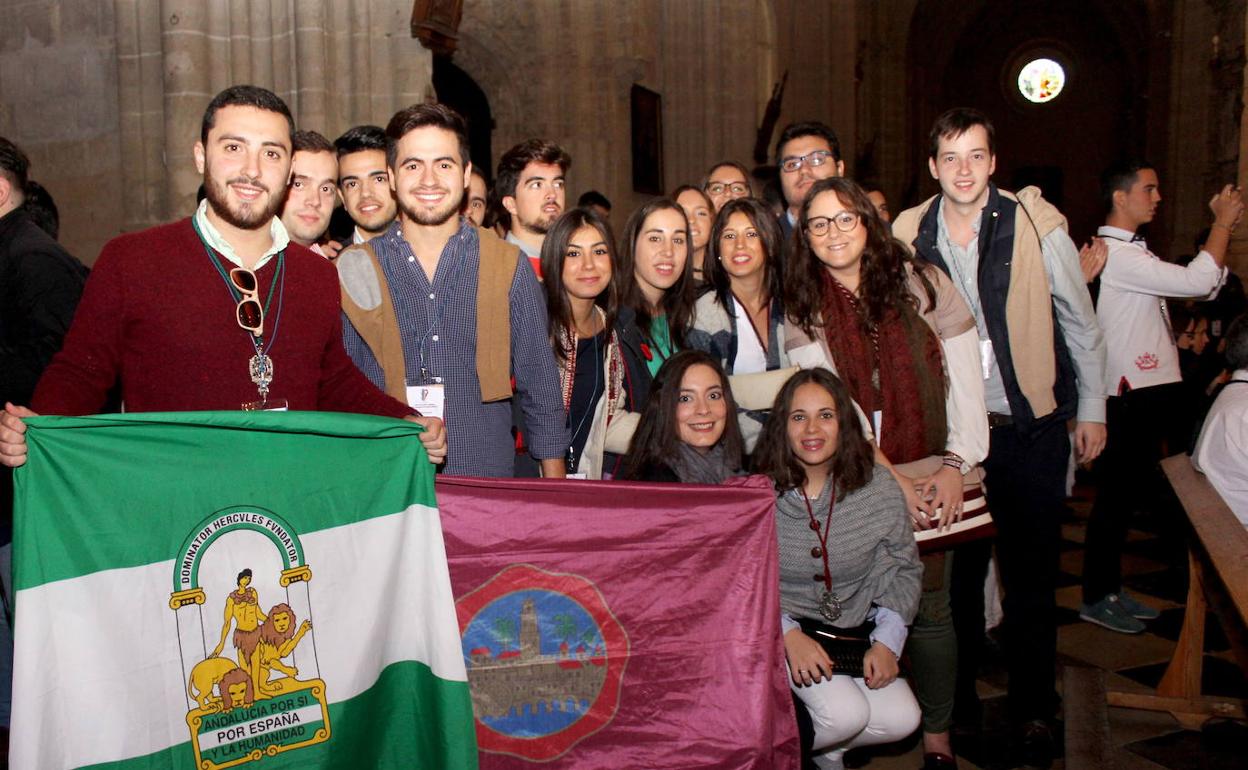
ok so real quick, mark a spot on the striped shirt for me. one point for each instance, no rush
(438, 324)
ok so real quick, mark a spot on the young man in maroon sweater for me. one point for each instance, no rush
(160, 316)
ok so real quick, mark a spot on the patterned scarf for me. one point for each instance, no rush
(895, 368)
(568, 340)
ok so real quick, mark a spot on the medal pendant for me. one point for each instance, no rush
(830, 606)
(261, 369)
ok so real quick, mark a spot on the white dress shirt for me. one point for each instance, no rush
(1132, 310)
(1222, 449)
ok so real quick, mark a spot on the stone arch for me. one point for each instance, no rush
(490, 62)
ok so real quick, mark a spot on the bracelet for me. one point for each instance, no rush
(1228, 228)
(951, 460)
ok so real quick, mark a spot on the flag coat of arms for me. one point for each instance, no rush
(616, 624)
(212, 590)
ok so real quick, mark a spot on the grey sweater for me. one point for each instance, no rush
(872, 553)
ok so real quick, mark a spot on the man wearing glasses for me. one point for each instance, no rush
(726, 181)
(805, 153)
(216, 311)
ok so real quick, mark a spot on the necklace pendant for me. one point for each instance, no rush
(830, 606)
(261, 369)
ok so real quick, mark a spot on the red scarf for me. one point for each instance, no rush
(895, 368)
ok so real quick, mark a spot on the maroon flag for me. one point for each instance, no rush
(617, 624)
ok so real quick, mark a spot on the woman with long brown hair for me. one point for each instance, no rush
(659, 293)
(688, 431)
(902, 339)
(841, 518)
(739, 318)
(582, 284)
(701, 214)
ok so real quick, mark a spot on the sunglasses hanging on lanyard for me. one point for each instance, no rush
(244, 288)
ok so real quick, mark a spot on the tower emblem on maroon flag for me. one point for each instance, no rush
(545, 659)
(250, 674)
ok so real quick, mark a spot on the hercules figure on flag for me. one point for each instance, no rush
(242, 606)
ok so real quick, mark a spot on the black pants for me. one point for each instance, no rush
(1025, 484)
(1141, 424)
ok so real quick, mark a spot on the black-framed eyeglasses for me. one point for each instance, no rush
(719, 188)
(250, 311)
(844, 221)
(812, 159)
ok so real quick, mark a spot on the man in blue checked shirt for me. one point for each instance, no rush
(446, 316)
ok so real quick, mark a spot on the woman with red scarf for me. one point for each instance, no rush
(904, 342)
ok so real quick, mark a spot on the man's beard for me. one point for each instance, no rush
(541, 225)
(434, 217)
(249, 217)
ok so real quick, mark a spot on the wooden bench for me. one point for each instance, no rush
(1218, 564)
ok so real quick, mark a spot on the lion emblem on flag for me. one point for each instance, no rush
(264, 695)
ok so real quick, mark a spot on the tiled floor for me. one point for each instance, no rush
(1154, 570)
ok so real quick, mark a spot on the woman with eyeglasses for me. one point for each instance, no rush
(904, 342)
(583, 296)
(726, 181)
(701, 213)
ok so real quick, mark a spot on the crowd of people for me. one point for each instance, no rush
(877, 369)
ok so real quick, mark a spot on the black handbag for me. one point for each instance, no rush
(845, 646)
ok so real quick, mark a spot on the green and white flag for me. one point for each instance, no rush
(219, 589)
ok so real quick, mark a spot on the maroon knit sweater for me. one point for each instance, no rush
(157, 314)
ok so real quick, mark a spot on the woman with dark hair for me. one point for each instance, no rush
(740, 319)
(700, 212)
(902, 339)
(583, 297)
(841, 518)
(687, 431)
(658, 296)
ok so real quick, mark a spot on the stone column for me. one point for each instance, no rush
(1237, 257)
(141, 112)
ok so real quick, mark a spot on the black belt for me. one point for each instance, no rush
(998, 420)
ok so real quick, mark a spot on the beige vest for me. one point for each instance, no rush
(366, 302)
(1028, 304)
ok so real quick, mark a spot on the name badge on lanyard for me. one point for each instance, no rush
(429, 400)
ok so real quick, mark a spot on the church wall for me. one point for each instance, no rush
(563, 69)
(107, 96)
(713, 63)
(58, 102)
(1206, 102)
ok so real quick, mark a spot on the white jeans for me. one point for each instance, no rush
(846, 713)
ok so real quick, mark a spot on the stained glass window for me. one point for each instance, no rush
(1041, 80)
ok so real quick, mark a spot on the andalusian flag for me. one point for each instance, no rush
(219, 589)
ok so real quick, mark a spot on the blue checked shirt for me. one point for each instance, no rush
(440, 321)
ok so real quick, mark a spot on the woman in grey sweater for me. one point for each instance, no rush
(847, 557)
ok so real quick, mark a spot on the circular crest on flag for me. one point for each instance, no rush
(545, 659)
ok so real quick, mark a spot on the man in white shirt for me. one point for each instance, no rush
(1222, 449)
(364, 181)
(1142, 378)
